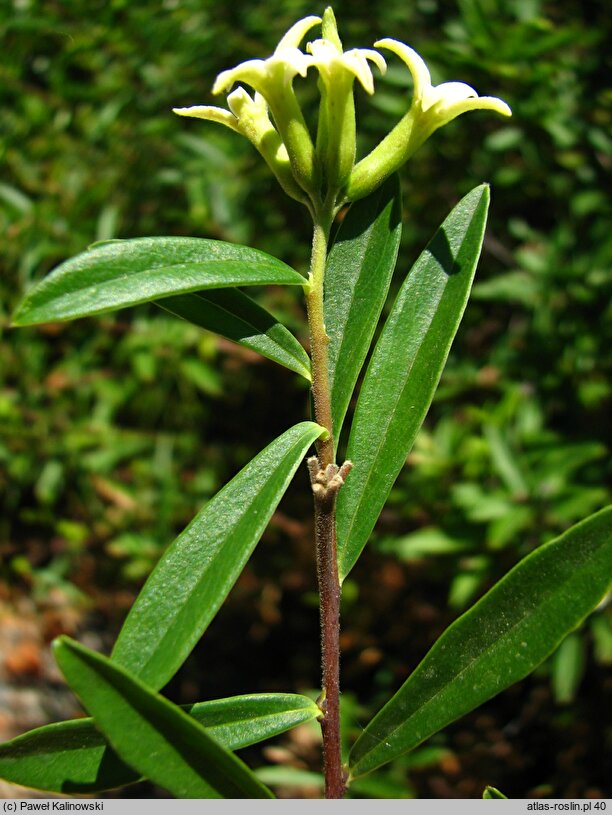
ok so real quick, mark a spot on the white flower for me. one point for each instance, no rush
(273, 79)
(432, 106)
(274, 75)
(440, 104)
(324, 176)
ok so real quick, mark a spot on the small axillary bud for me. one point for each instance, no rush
(326, 483)
(321, 703)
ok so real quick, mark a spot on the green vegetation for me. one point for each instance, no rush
(113, 431)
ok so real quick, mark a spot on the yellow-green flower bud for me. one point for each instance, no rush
(336, 134)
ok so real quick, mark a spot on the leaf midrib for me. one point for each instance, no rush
(153, 656)
(383, 436)
(548, 598)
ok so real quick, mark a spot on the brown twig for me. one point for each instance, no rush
(325, 486)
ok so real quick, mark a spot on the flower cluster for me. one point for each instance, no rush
(317, 173)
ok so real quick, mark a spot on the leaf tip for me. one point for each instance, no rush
(20, 316)
(61, 645)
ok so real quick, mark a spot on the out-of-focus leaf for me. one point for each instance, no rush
(290, 777)
(505, 462)
(73, 756)
(158, 739)
(500, 640)
(568, 665)
(601, 629)
(232, 314)
(116, 274)
(405, 369)
(359, 270)
(188, 585)
(490, 793)
(428, 542)
(202, 375)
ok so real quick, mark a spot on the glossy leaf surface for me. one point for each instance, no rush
(405, 368)
(116, 274)
(188, 585)
(158, 739)
(232, 314)
(74, 757)
(359, 270)
(500, 640)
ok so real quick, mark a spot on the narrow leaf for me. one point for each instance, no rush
(116, 274)
(500, 640)
(491, 793)
(188, 585)
(74, 757)
(158, 739)
(232, 314)
(405, 368)
(357, 278)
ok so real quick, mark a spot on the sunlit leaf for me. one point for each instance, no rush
(491, 793)
(405, 368)
(188, 585)
(116, 274)
(500, 640)
(359, 270)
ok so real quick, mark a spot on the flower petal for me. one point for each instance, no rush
(213, 114)
(293, 61)
(252, 72)
(327, 58)
(448, 93)
(356, 61)
(416, 64)
(456, 108)
(254, 123)
(296, 33)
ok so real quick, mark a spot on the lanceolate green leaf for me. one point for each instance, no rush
(116, 274)
(500, 640)
(155, 737)
(405, 368)
(74, 757)
(359, 270)
(194, 576)
(232, 314)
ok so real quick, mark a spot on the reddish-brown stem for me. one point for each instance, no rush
(329, 592)
(326, 482)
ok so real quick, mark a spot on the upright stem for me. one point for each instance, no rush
(326, 480)
(319, 339)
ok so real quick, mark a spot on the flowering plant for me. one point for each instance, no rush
(327, 172)
(134, 731)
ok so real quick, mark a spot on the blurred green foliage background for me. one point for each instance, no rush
(113, 432)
